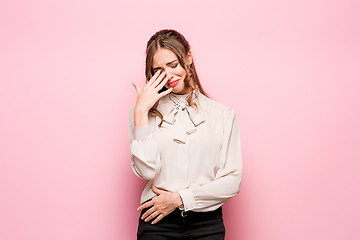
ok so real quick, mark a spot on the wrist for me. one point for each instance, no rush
(140, 117)
(140, 109)
(179, 201)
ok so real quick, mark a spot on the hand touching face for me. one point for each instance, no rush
(167, 61)
(149, 95)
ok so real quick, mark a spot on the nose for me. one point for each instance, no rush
(168, 73)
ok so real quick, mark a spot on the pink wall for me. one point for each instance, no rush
(290, 69)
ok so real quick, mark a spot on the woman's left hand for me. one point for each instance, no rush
(162, 205)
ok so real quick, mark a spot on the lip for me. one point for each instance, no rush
(173, 83)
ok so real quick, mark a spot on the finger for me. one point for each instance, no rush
(161, 84)
(145, 205)
(148, 212)
(153, 78)
(137, 88)
(166, 92)
(162, 78)
(154, 214)
(161, 216)
(158, 79)
(156, 190)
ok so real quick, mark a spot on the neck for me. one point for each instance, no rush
(183, 93)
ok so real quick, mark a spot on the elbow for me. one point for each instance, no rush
(146, 169)
(237, 182)
(233, 185)
(145, 173)
(235, 189)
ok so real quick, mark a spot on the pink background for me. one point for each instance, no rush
(290, 69)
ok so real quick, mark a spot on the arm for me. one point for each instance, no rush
(227, 181)
(145, 158)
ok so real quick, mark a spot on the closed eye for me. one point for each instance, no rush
(168, 64)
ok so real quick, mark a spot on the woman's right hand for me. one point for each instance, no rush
(149, 95)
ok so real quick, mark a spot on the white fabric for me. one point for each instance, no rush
(196, 152)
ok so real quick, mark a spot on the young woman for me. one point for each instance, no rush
(185, 145)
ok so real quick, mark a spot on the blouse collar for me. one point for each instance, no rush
(183, 117)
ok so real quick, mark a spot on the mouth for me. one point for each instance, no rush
(173, 83)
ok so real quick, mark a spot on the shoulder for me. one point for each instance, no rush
(216, 108)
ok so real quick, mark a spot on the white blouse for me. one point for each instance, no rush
(194, 153)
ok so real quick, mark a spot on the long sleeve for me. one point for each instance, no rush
(145, 157)
(227, 181)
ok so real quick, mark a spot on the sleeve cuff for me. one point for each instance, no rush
(142, 133)
(188, 199)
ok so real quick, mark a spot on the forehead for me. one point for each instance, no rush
(163, 56)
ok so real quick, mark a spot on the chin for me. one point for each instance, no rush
(177, 90)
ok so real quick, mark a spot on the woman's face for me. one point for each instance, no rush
(167, 60)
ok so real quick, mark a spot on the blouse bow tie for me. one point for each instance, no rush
(184, 118)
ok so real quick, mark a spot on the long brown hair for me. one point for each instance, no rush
(176, 42)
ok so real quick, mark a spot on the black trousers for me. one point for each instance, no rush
(184, 225)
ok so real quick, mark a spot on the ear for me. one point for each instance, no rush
(189, 58)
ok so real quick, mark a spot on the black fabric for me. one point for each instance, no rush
(189, 225)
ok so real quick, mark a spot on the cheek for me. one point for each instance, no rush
(181, 72)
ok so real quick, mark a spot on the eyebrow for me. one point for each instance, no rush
(169, 63)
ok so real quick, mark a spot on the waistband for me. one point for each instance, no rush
(215, 213)
(177, 213)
